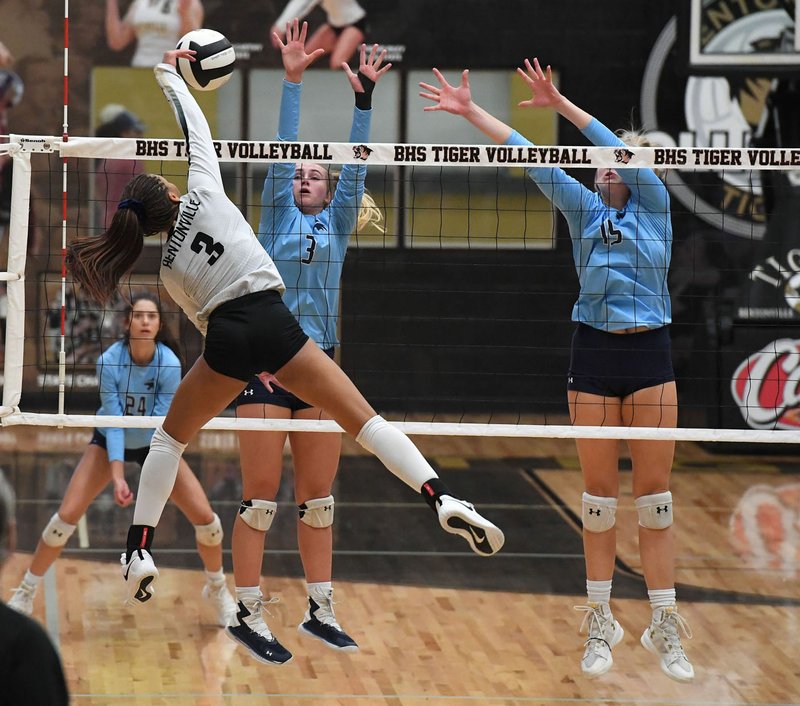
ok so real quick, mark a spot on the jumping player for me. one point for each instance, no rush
(307, 217)
(215, 269)
(621, 367)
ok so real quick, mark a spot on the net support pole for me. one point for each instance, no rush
(15, 288)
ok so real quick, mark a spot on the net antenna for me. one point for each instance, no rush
(62, 355)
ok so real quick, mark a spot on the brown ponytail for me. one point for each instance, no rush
(97, 263)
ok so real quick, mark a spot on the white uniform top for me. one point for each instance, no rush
(212, 255)
(157, 24)
(340, 12)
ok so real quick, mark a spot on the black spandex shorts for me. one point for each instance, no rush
(131, 455)
(619, 364)
(361, 24)
(256, 393)
(251, 334)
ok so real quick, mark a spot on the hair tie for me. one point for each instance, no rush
(134, 205)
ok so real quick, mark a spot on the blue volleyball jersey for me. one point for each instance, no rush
(309, 251)
(622, 257)
(128, 389)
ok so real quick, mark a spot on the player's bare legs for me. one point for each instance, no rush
(599, 459)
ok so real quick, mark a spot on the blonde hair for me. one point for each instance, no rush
(368, 211)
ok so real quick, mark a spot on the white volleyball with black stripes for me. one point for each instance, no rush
(214, 60)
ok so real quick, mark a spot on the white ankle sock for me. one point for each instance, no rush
(396, 451)
(323, 587)
(31, 579)
(215, 576)
(245, 593)
(661, 598)
(598, 591)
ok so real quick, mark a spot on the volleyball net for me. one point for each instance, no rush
(455, 313)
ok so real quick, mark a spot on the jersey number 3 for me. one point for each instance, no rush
(203, 241)
(310, 250)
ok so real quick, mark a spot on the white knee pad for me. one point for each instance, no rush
(211, 534)
(598, 514)
(258, 514)
(317, 512)
(57, 532)
(655, 511)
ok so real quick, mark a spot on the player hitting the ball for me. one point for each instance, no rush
(215, 269)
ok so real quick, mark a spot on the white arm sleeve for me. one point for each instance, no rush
(203, 164)
(295, 8)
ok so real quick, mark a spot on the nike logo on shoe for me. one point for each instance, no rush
(481, 541)
(141, 594)
(478, 535)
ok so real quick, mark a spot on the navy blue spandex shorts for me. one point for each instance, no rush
(619, 364)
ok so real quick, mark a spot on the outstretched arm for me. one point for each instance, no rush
(277, 197)
(350, 188)
(644, 182)
(457, 100)
(203, 164)
(564, 191)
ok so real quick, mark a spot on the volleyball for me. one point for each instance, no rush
(213, 62)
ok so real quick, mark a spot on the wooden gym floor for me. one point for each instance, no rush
(435, 624)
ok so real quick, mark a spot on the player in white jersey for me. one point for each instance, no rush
(138, 376)
(339, 37)
(214, 267)
(155, 26)
(621, 367)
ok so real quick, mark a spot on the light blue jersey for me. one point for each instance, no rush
(129, 389)
(309, 251)
(622, 257)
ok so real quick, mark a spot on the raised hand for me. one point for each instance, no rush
(452, 99)
(293, 50)
(543, 93)
(370, 68)
(171, 57)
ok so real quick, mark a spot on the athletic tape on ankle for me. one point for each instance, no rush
(599, 514)
(57, 532)
(655, 511)
(317, 512)
(209, 535)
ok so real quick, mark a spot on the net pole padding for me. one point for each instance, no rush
(15, 277)
(524, 431)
